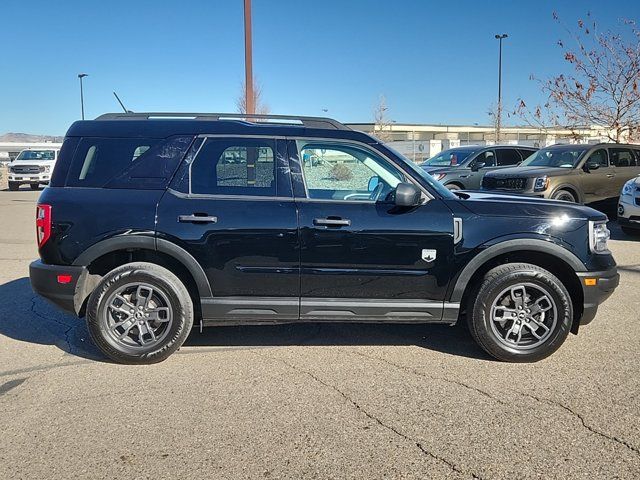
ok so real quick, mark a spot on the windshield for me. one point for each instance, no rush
(36, 155)
(557, 157)
(448, 158)
(437, 186)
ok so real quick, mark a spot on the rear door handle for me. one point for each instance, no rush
(197, 219)
(332, 222)
(611, 175)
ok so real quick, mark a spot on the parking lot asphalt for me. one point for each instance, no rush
(311, 401)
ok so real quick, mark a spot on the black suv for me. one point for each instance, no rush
(462, 168)
(153, 222)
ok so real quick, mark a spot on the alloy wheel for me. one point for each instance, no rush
(523, 316)
(137, 316)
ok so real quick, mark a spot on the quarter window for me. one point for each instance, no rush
(235, 167)
(345, 172)
(98, 160)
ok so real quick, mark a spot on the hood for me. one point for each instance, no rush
(499, 205)
(528, 172)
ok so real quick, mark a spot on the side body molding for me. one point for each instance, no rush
(512, 246)
(148, 242)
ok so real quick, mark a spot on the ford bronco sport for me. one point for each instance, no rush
(153, 222)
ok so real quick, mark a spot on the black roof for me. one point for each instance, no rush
(161, 125)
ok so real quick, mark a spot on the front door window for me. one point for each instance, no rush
(346, 173)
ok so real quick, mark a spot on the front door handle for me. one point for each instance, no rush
(611, 175)
(195, 218)
(332, 222)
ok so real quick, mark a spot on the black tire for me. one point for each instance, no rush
(34, 186)
(565, 195)
(453, 186)
(632, 232)
(486, 332)
(13, 186)
(167, 287)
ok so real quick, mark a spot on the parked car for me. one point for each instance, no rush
(629, 207)
(32, 167)
(462, 168)
(145, 245)
(573, 173)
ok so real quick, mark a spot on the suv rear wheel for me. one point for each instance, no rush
(140, 313)
(521, 313)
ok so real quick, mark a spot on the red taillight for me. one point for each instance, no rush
(43, 223)
(64, 279)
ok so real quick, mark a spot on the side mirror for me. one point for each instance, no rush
(477, 166)
(373, 183)
(407, 195)
(591, 166)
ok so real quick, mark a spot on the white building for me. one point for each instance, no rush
(419, 142)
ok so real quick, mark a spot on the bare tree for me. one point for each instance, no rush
(602, 90)
(241, 102)
(382, 125)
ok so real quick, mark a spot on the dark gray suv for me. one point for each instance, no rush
(462, 168)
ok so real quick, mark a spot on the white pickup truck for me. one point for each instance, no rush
(32, 166)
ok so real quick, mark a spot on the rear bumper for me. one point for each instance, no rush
(68, 296)
(605, 283)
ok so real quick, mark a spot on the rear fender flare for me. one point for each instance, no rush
(124, 242)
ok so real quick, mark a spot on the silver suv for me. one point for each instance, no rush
(462, 168)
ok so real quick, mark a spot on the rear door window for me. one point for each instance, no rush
(235, 166)
(622, 157)
(526, 153)
(508, 156)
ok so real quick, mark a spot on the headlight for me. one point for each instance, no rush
(629, 187)
(598, 236)
(438, 176)
(541, 184)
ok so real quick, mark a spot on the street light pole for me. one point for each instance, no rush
(81, 76)
(248, 60)
(499, 112)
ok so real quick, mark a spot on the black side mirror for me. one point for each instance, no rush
(591, 166)
(477, 166)
(407, 195)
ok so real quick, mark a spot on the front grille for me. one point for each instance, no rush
(27, 169)
(497, 183)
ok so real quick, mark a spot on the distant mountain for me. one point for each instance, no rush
(29, 138)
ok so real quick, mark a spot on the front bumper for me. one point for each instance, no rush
(596, 288)
(29, 178)
(69, 295)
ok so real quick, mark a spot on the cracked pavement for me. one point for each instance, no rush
(311, 401)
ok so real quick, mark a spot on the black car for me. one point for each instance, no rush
(462, 168)
(148, 226)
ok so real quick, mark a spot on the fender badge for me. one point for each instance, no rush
(429, 255)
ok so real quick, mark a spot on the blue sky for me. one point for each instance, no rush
(435, 61)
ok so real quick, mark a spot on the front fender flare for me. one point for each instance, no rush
(507, 246)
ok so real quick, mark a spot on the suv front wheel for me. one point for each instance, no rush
(521, 313)
(140, 313)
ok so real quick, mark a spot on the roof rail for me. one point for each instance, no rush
(309, 122)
